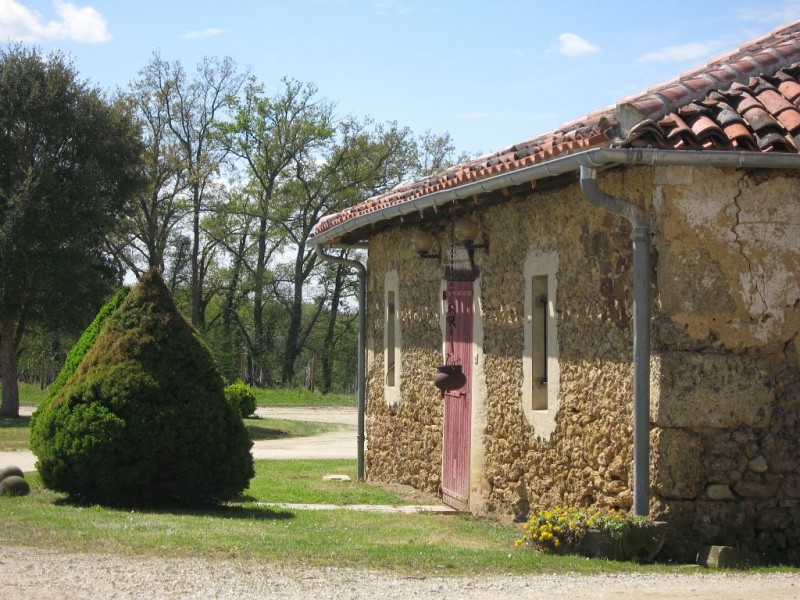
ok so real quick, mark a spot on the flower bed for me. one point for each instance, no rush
(594, 532)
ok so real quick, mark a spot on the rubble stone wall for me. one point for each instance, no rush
(725, 378)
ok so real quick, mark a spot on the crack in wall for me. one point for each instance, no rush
(740, 243)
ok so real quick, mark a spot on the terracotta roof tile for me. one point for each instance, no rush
(748, 99)
(790, 119)
(790, 90)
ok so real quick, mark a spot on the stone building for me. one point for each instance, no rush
(663, 371)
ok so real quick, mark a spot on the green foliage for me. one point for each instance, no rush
(242, 397)
(561, 528)
(69, 164)
(144, 417)
(86, 341)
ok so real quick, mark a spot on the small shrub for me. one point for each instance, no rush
(559, 529)
(242, 397)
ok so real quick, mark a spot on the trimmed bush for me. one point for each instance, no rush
(144, 417)
(79, 350)
(86, 341)
(242, 397)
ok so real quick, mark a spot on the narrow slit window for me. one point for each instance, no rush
(541, 377)
(391, 349)
(539, 328)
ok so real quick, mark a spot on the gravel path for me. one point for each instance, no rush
(28, 574)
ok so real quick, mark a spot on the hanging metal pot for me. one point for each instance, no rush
(449, 378)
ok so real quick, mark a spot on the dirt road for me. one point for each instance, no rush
(32, 574)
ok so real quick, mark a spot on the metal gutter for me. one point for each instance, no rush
(362, 348)
(588, 162)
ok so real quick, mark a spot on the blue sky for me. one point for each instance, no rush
(491, 73)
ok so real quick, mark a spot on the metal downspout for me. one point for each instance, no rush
(641, 332)
(362, 348)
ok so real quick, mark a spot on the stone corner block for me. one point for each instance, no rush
(710, 390)
(728, 557)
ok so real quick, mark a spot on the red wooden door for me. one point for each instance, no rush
(458, 403)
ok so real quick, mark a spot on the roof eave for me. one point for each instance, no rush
(597, 157)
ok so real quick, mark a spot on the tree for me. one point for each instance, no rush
(361, 160)
(192, 108)
(69, 163)
(435, 153)
(270, 135)
(149, 227)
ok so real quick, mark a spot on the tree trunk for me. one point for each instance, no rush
(295, 322)
(258, 300)
(197, 293)
(9, 406)
(232, 347)
(327, 357)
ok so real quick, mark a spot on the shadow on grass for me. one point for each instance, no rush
(258, 432)
(15, 422)
(219, 511)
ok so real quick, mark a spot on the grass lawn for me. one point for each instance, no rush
(302, 397)
(414, 544)
(14, 433)
(275, 429)
(30, 393)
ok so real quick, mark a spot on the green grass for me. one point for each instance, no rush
(302, 397)
(275, 429)
(415, 544)
(300, 481)
(30, 393)
(14, 433)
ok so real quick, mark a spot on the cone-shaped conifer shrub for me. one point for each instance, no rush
(144, 417)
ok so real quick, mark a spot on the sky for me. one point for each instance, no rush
(491, 73)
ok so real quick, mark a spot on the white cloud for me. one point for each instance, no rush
(570, 44)
(688, 51)
(204, 33)
(783, 13)
(20, 23)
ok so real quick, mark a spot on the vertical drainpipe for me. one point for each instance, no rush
(362, 348)
(641, 332)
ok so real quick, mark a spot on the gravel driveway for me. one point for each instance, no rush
(28, 574)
